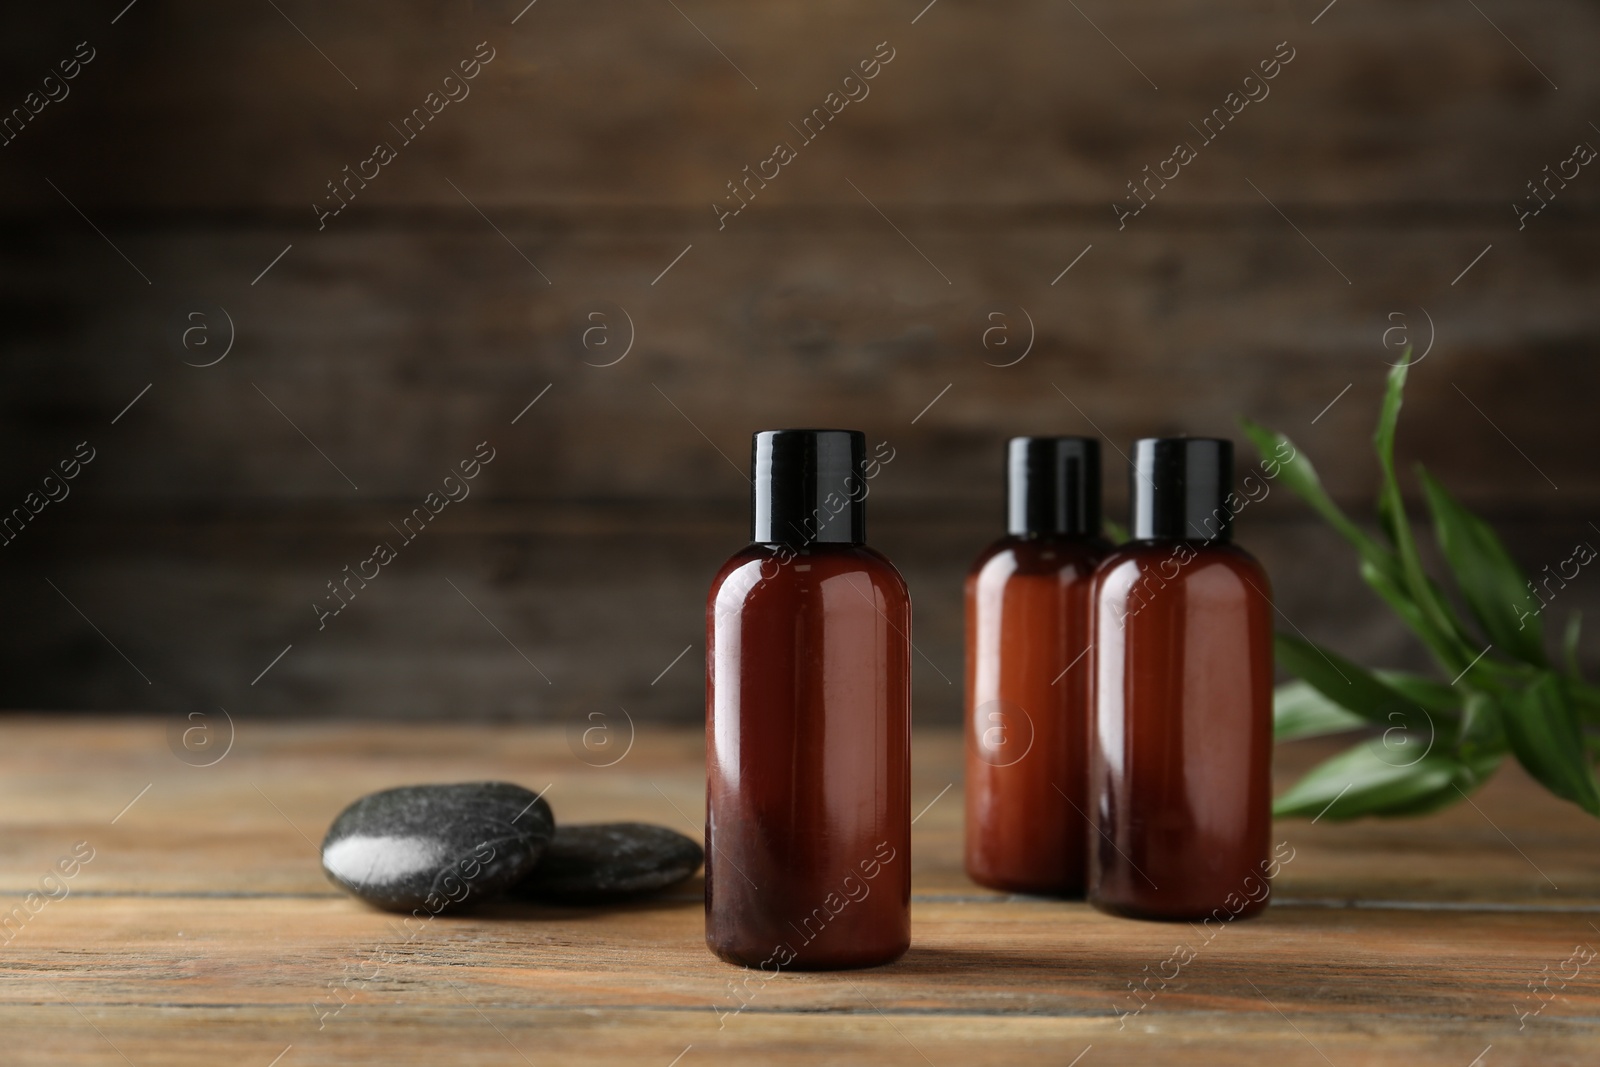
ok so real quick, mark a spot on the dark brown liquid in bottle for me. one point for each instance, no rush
(1028, 610)
(808, 758)
(1180, 769)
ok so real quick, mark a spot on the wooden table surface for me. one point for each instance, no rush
(202, 930)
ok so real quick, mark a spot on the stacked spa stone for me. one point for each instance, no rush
(440, 847)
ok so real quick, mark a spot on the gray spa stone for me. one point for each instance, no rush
(435, 848)
(596, 863)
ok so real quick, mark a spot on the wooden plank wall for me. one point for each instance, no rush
(1370, 187)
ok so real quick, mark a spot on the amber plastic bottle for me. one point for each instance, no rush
(1180, 763)
(808, 722)
(1027, 684)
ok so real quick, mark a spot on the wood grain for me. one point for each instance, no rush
(203, 929)
(599, 598)
(397, 349)
(983, 104)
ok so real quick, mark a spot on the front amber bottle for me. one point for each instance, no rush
(808, 723)
(1180, 764)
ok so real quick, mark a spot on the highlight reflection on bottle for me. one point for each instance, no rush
(808, 722)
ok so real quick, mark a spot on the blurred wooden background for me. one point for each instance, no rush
(876, 275)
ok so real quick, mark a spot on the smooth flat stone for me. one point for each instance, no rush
(435, 848)
(602, 862)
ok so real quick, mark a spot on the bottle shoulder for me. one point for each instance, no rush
(772, 565)
(1181, 560)
(1016, 554)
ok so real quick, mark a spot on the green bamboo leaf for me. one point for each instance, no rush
(1494, 587)
(1369, 779)
(1545, 733)
(1470, 774)
(1301, 477)
(1345, 684)
(1299, 711)
(1390, 587)
(1482, 726)
(1392, 517)
(1435, 696)
(1439, 743)
(1380, 568)
(1379, 779)
(1586, 699)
